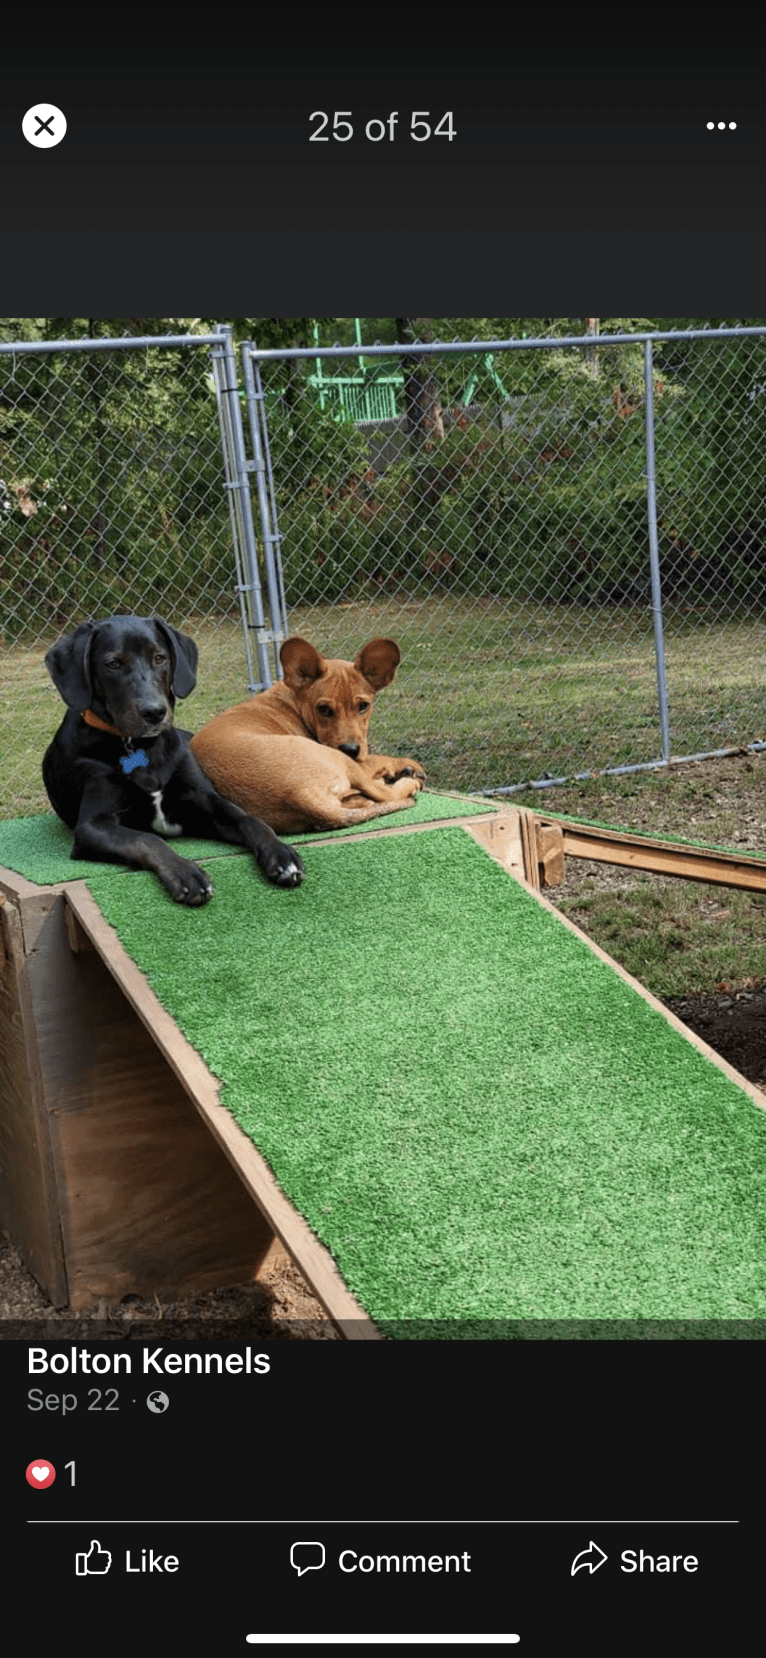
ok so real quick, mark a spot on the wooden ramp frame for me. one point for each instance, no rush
(123, 1173)
(552, 841)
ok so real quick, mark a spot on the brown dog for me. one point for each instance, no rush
(297, 755)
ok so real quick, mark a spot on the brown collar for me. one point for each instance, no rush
(92, 719)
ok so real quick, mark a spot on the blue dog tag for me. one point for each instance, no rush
(130, 761)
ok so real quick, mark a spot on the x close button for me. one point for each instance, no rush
(44, 125)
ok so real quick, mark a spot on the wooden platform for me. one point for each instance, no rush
(122, 1172)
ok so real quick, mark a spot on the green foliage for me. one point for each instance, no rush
(111, 475)
(543, 496)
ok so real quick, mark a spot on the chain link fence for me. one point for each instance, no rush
(567, 538)
(115, 496)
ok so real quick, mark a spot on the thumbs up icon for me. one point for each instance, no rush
(96, 1560)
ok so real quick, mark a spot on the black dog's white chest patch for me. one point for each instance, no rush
(160, 824)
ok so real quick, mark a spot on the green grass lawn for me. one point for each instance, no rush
(489, 693)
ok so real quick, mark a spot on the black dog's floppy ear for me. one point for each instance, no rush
(68, 664)
(183, 656)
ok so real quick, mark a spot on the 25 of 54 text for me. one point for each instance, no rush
(342, 129)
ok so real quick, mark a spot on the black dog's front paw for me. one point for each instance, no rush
(188, 884)
(281, 865)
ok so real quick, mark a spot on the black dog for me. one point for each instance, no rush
(120, 679)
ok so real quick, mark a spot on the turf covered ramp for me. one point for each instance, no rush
(39, 848)
(476, 1115)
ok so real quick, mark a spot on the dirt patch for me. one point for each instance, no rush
(734, 1023)
(278, 1307)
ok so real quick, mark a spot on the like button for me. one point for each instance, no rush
(96, 1560)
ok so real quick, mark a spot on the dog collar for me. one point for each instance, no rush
(101, 725)
(129, 761)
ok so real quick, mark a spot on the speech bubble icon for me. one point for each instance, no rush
(307, 1557)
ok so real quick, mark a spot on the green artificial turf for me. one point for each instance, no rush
(40, 847)
(480, 1119)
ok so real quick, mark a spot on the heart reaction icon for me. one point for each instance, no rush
(40, 1473)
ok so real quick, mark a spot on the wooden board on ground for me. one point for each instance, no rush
(618, 846)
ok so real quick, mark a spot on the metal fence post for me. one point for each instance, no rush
(275, 531)
(238, 483)
(654, 556)
(218, 362)
(260, 465)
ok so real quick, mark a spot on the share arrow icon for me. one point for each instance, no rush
(592, 1557)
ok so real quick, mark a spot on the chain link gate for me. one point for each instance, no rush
(114, 498)
(576, 581)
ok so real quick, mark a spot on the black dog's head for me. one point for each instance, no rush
(128, 670)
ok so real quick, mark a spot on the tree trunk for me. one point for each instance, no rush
(422, 399)
(425, 429)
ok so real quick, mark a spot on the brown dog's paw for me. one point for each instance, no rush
(406, 788)
(388, 770)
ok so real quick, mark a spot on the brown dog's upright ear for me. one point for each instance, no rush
(301, 663)
(378, 662)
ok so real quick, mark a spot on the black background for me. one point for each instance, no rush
(581, 177)
(581, 170)
(388, 1448)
